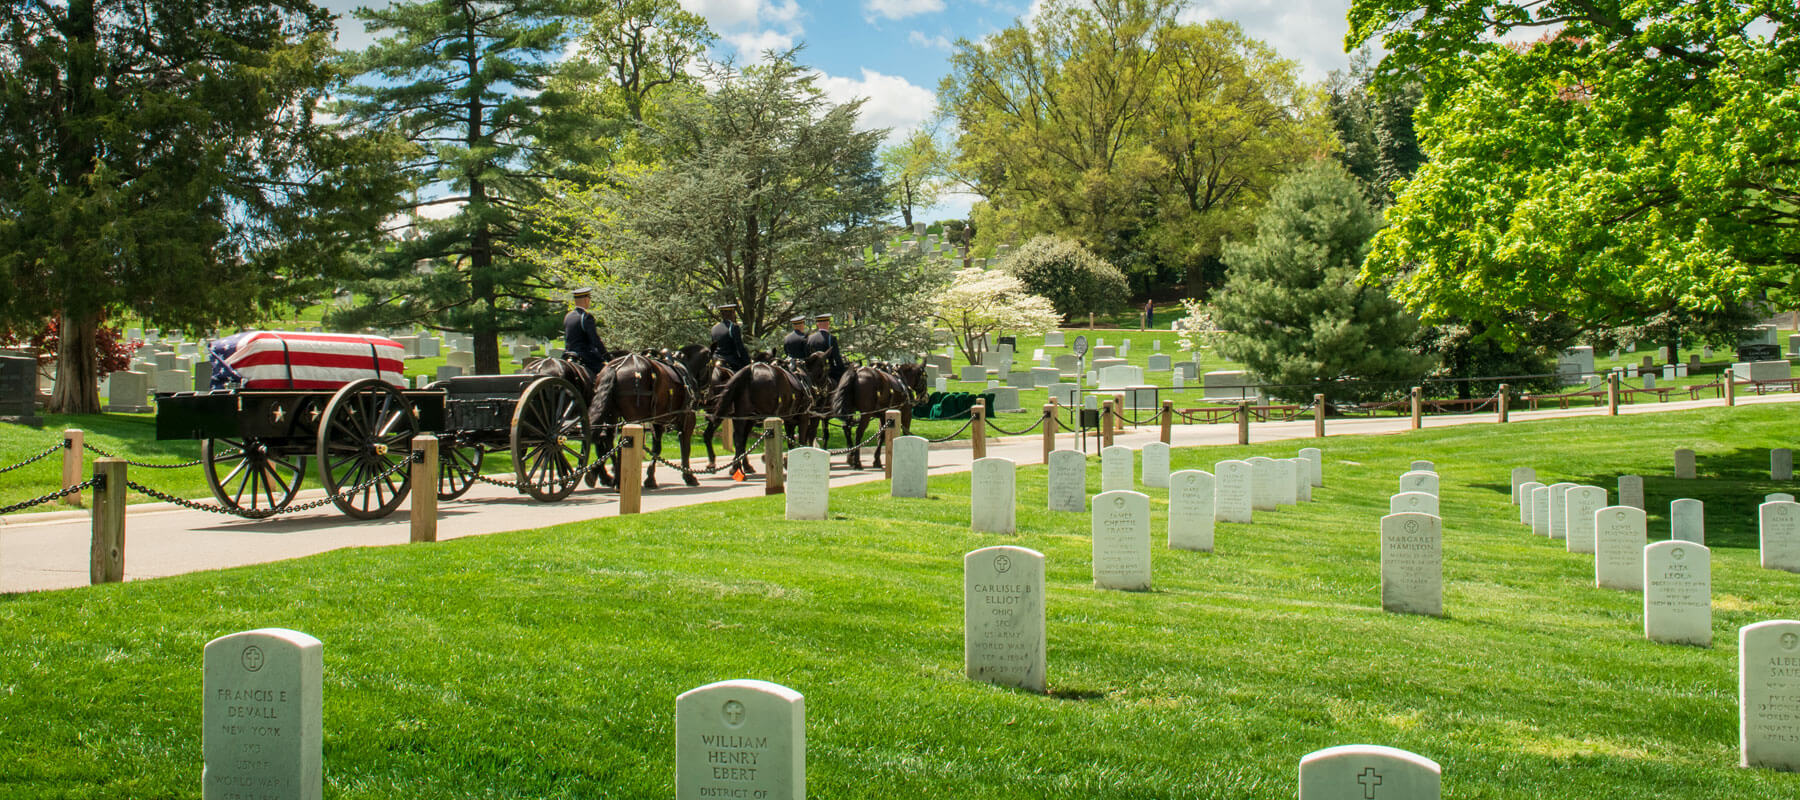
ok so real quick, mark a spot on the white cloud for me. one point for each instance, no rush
(725, 13)
(750, 28)
(939, 41)
(891, 101)
(901, 9)
(752, 45)
(1308, 31)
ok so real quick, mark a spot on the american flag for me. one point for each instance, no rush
(288, 360)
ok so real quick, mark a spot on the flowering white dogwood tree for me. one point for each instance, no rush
(980, 302)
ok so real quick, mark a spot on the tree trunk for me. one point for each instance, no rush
(77, 366)
(487, 350)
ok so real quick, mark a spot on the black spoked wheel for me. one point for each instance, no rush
(549, 439)
(248, 479)
(458, 464)
(367, 428)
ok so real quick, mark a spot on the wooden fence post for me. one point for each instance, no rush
(978, 433)
(1243, 421)
(1612, 394)
(725, 431)
(72, 450)
(631, 470)
(1168, 421)
(1730, 387)
(1505, 402)
(1415, 408)
(1318, 416)
(106, 562)
(1119, 412)
(891, 423)
(424, 500)
(774, 462)
(1049, 429)
(1106, 423)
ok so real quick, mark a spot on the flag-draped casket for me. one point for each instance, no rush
(307, 361)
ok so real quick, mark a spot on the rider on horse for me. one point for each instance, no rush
(728, 339)
(794, 346)
(824, 341)
(581, 336)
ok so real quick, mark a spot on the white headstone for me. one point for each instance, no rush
(1780, 535)
(1156, 465)
(1003, 617)
(1414, 502)
(1678, 593)
(262, 730)
(1778, 496)
(1412, 564)
(1520, 477)
(1687, 520)
(1316, 457)
(1419, 480)
(1116, 468)
(972, 372)
(1540, 510)
(1233, 487)
(1559, 521)
(1287, 482)
(1579, 506)
(1769, 695)
(1684, 464)
(1191, 514)
(1781, 464)
(1631, 491)
(741, 738)
(1422, 466)
(1302, 479)
(1121, 532)
(1067, 479)
(912, 462)
(992, 495)
(1265, 478)
(1619, 540)
(127, 389)
(1364, 771)
(808, 483)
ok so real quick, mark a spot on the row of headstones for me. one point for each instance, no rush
(263, 725)
(1781, 465)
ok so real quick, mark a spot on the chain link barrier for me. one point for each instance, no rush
(341, 494)
(144, 465)
(592, 466)
(749, 450)
(1005, 432)
(51, 497)
(34, 459)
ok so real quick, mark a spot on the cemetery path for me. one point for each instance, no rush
(50, 551)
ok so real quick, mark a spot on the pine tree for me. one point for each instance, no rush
(463, 82)
(1293, 309)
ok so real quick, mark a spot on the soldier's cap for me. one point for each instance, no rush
(582, 292)
(823, 318)
(725, 307)
(798, 320)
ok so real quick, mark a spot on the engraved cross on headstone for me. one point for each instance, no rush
(1369, 780)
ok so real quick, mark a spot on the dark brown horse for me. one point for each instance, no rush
(869, 393)
(760, 391)
(660, 394)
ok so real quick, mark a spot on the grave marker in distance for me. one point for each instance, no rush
(1414, 502)
(991, 495)
(1419, 481)
(1579, 507)
(808, 483)
(1520, 477)
(1525, 504)
(912, 457)
(1619, 540)
(1412, 564)
(1559, 520)
(1116, 468)
(1540, 510)
(1684, 464)
(1316, 458)
(1232, 490)
(1191, 514)
(1265, 492)
(1678, 593)
(1631, 491)
(1779, 523)
(1687, 520)
(1121, 533)
(1156, 465)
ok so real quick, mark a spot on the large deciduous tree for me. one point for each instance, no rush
(1146, 139)
(1294, 310)
(1071, 277)
(1633, 167)
(162, 160)
(762, 194)
(463, 82)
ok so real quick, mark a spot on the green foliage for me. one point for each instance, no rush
(1374, 124)
(463, 83)
(760, 190)
(1635, 167)
(1147, 140)
(164, 163)
(914, 170)
(1293, 308)
(1070, 276)
(544, 664)
(630, 55)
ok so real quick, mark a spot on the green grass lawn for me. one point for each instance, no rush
(545, 664)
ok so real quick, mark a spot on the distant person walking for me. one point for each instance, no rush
(1149, 314)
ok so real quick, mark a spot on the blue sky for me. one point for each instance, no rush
(893, 52)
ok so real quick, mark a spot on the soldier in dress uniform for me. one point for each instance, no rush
(581, 337)
(795, 343)
(824, 341)
(728, 339)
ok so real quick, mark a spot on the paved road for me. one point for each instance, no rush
(50, 551)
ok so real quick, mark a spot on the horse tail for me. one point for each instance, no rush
(737, 385)
(843, 398)
(601, 407)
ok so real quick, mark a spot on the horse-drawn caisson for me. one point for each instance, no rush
(281, 400)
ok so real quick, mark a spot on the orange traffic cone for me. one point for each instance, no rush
(737, 475)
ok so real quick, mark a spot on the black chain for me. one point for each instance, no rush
(34, 459)
(873, 435)
(238, 512)
(577, 475)
(195, 463)
(57, 495)
(955, 434)
(1000, 430)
